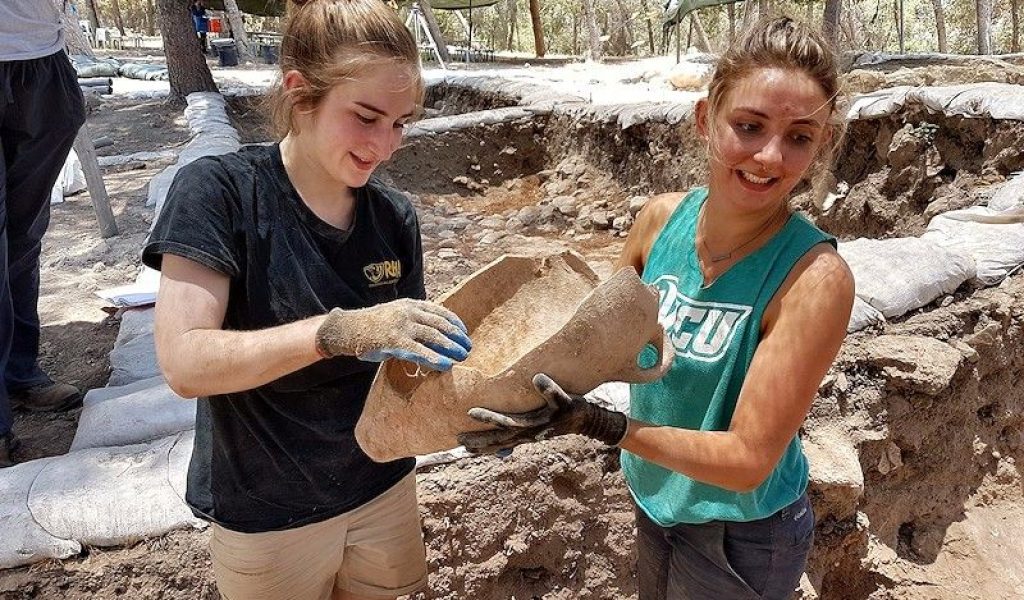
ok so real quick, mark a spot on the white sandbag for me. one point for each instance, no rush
(897, 275)
(101, 395)
(1010, 195)
(111, 496)
(995, 239)
(24, 541)
(141, 416)
(134, 323)
(863, 315)
(134, 360)
(71, 179)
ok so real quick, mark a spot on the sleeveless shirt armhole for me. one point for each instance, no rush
(661, 232)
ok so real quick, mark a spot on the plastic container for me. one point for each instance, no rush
(227, 52)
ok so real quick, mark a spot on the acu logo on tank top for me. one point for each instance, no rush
(697, 330)
(383, 273)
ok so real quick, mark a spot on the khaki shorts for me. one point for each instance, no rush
(374, 550)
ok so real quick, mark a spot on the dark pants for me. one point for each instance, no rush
(41, 110)
(725, 560)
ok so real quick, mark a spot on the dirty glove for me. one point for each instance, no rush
(564, 413)
(414, 330)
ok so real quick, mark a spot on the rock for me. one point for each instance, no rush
(601, 219)
(545, 175)
(890, 460)
(449, 243)
(493, 222)
(835, 472)
(529, 215)
(636, 204)
(566, 205)
(492, 237)
(622, 223)
(914, 363)
(447, 253)
(514, 224)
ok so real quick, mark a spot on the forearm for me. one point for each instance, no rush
(719, 458)
(201, 362)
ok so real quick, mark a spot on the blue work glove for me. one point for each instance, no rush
(412, 330)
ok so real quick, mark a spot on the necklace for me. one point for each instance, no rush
(716, 258)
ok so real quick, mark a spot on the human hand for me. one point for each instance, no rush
(413, 330)
(564, 413)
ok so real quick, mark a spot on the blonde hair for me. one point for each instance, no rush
(334, 41)
(786, 44)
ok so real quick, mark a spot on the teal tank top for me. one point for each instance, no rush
(714, 331)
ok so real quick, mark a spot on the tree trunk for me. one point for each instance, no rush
(238, 30)
(731, 9)
(510, 5)
(898, 10)
(940, 25)
(116, 4)
(74, 39)
(762, 8)
(435, 31)
(702, 43)
(538, 28)
(150, 18)
(594, 37)
(645, 4)
(186, 66)
(92, 14)
(830, 21)
(809, 14)
(984, 9)
(1015, 20)
(748, 13)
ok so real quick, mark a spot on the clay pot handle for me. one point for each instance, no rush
(666, 354)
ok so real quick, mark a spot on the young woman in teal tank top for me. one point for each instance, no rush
(755, 302)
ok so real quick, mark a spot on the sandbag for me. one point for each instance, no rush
(1010, 195)
(87, 66)
(863, 315)
(140, 416)
(111, 496)
(24, 541)
(897, 275)
(143, 71)
(994, 239)
(71, 179)
(134, 360)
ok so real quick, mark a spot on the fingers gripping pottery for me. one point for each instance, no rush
(525, 315)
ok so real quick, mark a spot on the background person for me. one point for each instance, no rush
(755, 301)
(41, 110)
(201, 23)
(288, 273)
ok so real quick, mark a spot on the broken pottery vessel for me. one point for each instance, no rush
(525, 315)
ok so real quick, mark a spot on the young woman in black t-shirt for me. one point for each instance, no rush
(288, 274)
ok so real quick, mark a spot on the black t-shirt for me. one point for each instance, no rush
(284, 454)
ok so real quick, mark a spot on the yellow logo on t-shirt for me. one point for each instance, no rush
(383, 273)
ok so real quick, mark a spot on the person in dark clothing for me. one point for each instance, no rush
(41, 110)
(200, 22)
(288, 273)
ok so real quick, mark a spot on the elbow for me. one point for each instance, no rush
(180, 385)
(749, 480)
(177, 378)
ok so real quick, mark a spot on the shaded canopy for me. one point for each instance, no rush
(276, 8)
